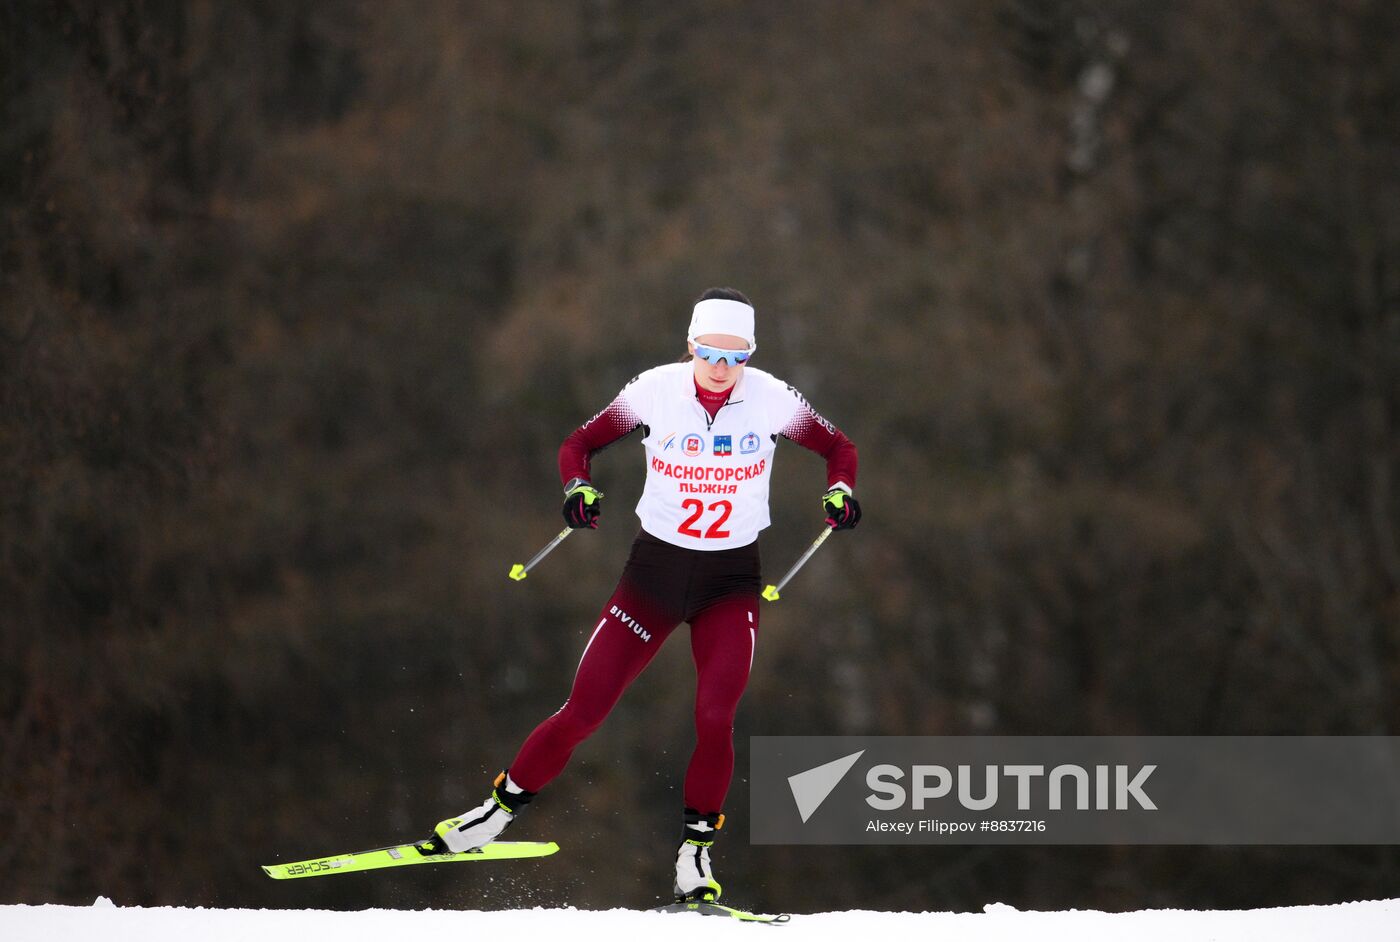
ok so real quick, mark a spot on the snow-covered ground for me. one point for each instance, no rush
(1351, 922)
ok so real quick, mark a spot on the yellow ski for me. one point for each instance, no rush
(403, 855)
(711, 908)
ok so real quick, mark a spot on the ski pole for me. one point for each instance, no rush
(771, 593)
(518, 571)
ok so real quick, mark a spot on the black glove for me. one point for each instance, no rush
(842, 510)
(582, 504)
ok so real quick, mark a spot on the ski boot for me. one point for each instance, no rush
(472, 829)
(694, 880)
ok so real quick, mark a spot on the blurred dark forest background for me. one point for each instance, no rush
(299, 299)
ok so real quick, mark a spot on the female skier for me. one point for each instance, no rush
(710, 425)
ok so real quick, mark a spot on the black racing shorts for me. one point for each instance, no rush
(680, 583)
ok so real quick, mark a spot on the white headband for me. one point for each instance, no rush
(720, 316)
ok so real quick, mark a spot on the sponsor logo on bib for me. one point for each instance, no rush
(723, 445)
(692, 445)
(748, 444)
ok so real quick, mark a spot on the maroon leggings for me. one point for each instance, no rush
(663, 585)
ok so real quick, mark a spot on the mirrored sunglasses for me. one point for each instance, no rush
(715, 355)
